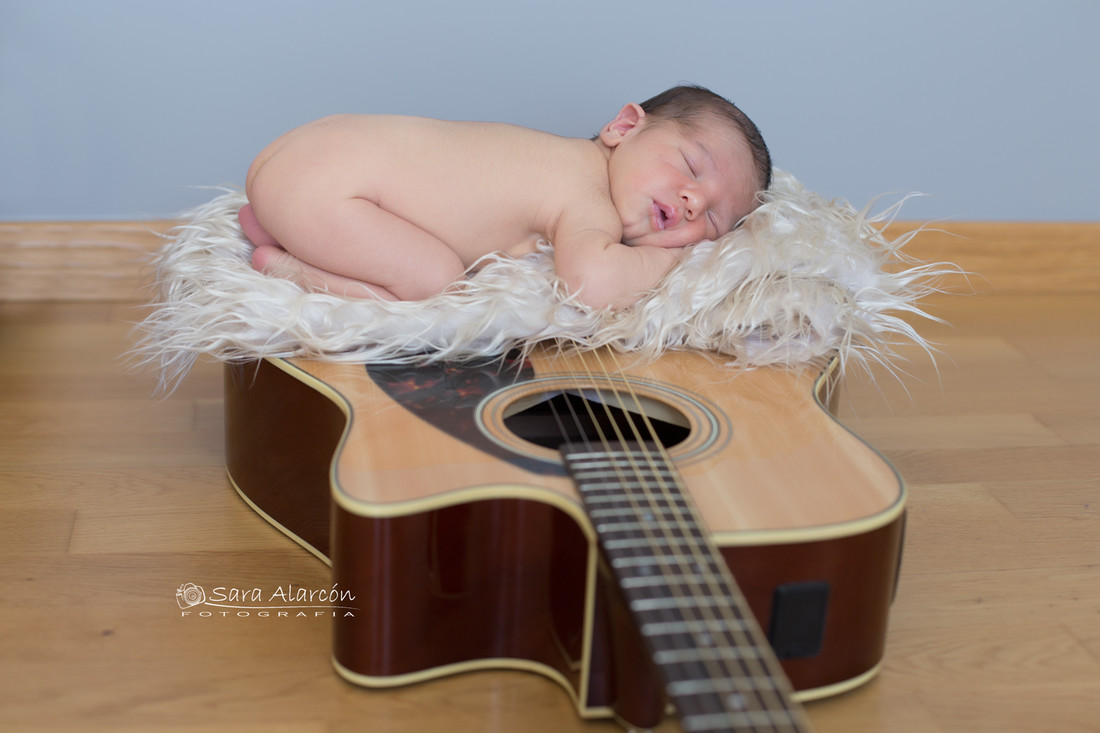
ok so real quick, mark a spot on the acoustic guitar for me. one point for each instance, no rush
(669, 536)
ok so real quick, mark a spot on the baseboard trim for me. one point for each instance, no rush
(74, 261)
(1012, 257)
(107, 261)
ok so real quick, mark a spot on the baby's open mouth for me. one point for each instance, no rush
(661, 216)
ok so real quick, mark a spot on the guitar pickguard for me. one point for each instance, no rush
(448, 396)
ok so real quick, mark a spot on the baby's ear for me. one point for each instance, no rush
(629, 119)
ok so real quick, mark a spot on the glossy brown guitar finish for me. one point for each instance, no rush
(466, 545)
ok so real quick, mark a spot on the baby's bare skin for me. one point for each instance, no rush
(400, 207)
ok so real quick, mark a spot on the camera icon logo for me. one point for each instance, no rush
(190, 595)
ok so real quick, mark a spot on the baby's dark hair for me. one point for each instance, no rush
(689, 105)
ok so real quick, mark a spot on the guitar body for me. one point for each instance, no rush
(465, 544)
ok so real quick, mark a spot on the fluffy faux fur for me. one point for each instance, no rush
(802, 278)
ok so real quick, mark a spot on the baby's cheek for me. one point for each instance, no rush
(687, 239)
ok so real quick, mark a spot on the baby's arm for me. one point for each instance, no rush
(604, 272)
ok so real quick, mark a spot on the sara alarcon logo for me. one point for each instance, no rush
(189, 594)
(284, 602)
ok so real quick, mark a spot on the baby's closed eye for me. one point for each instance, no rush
(690, 165)
(714, 223)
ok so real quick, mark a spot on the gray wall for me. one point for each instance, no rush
(125, 108)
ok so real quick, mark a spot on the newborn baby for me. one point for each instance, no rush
(400, 207)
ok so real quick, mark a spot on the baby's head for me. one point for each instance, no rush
(683, 167)
(692, 107)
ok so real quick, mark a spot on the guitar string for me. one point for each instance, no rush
(777, 693)
(795, 715)
(604, 441)
(706, 555)
(671, 511)
(714, 583)
(637, 433)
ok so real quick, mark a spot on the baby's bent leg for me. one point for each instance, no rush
(276, 261)
(252, 228)
(356, 240)
(270, 258)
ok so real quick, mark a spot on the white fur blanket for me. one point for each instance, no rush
(803, 278)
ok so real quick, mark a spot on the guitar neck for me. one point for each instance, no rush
(718, 670)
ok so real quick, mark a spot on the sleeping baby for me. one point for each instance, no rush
(398, 208)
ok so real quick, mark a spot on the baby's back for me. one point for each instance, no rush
(480, 187)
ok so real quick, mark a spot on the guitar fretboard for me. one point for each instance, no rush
(719, 671)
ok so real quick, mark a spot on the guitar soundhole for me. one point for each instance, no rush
(533, 418)
(551, 419)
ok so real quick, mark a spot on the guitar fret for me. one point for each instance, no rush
(704, 654)
(616, 461)
(618, 483)
(623, 490)
(649, 542)
(646, 525)
(740, 720)
(612, 457)
(657, 581)
(595, 471)
(728, 685)
(698, 629)
(647, 561)
(676, 602)
(619, 504)
(629, 510)
(618, 470)
(671, 628)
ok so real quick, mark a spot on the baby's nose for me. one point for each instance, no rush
(693, 204)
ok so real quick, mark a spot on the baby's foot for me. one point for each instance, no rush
(252, 229)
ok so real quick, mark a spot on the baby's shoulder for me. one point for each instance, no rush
(584, 192)
(577, 164)
(584, 168)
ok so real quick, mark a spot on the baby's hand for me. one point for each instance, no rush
(613, 274)
(669, 255)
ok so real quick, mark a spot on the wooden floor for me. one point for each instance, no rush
(110, 501)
